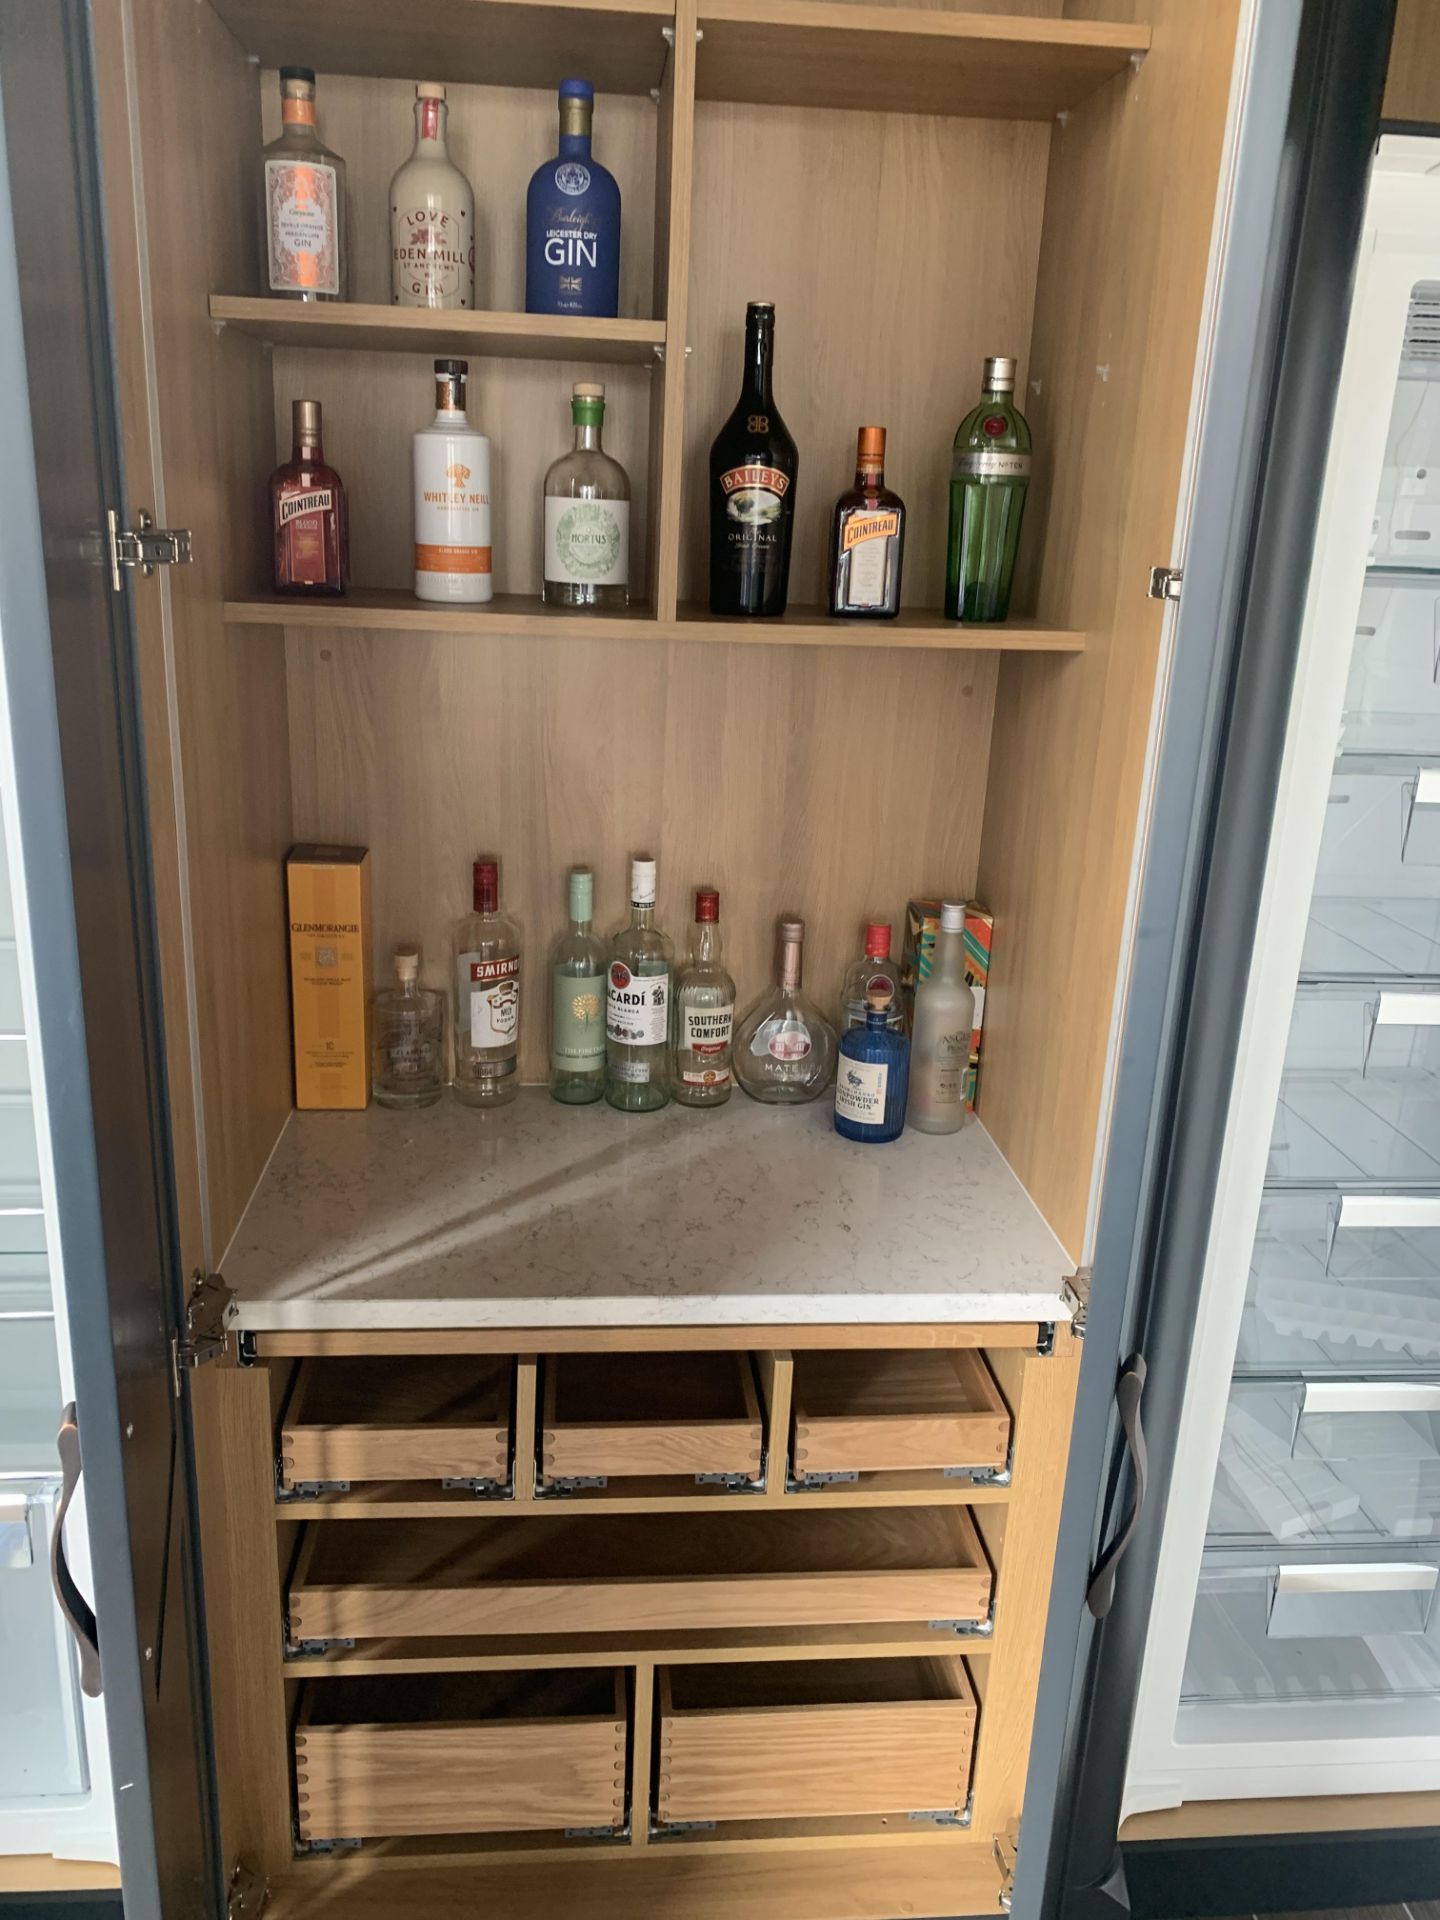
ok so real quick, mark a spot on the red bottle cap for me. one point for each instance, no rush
(707, 904)
(487, 886)
(877, 940)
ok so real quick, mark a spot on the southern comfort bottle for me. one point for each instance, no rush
(307, 513)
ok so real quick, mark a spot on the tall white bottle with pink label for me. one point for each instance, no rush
(432, 216)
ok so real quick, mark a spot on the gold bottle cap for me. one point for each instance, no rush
(870, 445)
(429, 90)
(589, 390)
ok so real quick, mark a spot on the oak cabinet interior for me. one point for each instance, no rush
(1056, 204)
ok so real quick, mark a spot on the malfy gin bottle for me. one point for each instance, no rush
(307, 513)
(701, 1074)
(753, 468)
(873, 972)
(784, 1046)
(572, 221)
(867, 539)
(989, 477)
(942, 1033)
(587, 515)
(578, 961)
(873, 1075)
(637, 1003)
(487, 997)
(408, 1028)
(452, 497)
(302, 207)
(432, 216)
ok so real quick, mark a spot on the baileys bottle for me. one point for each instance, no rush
(753, 466)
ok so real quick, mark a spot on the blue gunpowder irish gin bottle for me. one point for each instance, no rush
(873, 1080)
(572, 221)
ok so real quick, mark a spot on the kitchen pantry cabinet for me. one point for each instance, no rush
(841, 1508)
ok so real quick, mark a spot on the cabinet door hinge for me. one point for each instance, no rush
(146, 546)
(203, 1337)
(248, 1893)
(1165, 582)
(1005, 1847)
(1077, 1293)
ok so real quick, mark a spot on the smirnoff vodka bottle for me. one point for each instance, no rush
(637, 1004)
(432, 216)
(487, 997)
(452, 497)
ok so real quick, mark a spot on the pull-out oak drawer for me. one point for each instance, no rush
(818, 1737)
(460, 1753)
(857, 1412)
(631, 1573)
(664, 1414)
(427, 1417)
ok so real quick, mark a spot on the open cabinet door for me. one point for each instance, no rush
(68, 635)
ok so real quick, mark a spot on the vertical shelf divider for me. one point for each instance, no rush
(674, 175)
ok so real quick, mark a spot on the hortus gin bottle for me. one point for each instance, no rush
(753, 465)
(302, 209)
(637, 1004)
(989, 476)
(452, 497)
(577, 1001)
(408, 1031)
(784, 1046)
(307, 513)
(700, 1067)
(587, 515)
(572, 221)
(487, 997)
(432, 216)
(867, 539)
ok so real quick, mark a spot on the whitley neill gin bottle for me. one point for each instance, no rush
(867, 540)
(452, 497)
(432, 216)
(989, 476)
(572, 221)
(307, 513)
(753, 465)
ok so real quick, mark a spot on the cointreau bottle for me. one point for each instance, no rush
(753, 465)
(867, 541)
(307, 512)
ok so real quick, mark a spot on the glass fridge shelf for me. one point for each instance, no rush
(1355, 1130)
(1371, 941)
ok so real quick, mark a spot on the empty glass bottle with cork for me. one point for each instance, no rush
(784, 1046)
(942, 1031)
(408, 1027)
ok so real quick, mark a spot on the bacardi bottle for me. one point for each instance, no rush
(487, 997)
(989, 477)
(753, 467)
(307, 513)
(432, 216)
(637, 1004)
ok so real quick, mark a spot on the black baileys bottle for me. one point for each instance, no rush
(753, 465)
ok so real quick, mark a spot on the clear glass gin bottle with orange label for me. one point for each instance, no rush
(302, 207)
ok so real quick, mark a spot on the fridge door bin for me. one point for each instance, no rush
(1369, 939)
(814, 1739)
(858, 1412)
(429, 1418)
(1347, 1130)
(630, 1573)
(1382, 828)
(1381, 1032)
(460, 1753)
(667, 1415)
(1360, 1599)
(44, 1749)
(1392, 697)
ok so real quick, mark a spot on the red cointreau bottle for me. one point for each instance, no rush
(307, 512)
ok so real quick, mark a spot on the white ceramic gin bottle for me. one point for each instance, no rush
(452, 497)
(432, 216)
(941, 1033)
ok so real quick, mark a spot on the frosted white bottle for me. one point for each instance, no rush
(941, 1034)
(452, 498)
(432, 217)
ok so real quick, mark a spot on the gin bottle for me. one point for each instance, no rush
(487, 997)
(432, 216)
(302, 208)
(942, 1032)
(871, 1083)
(572, 221)
(409, 1039)
(700, 1067)
(785, 1047)
(637, 1004)
(450, 463)
(873, 970)
(577, 1001)
(989, 477)
(587, 515)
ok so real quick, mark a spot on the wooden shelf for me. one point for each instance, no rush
(500, 336)
(386, 610)
(394, 1501)
(823, 53)
(616, 44)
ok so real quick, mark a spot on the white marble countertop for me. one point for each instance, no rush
(541, 1215)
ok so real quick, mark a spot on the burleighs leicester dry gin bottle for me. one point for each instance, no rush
(302, 209)
(307, 512)
(753, 465)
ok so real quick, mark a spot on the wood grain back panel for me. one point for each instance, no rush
(1117, 316)
(1412, 85)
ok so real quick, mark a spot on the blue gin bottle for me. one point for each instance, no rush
(572, 221)
(873, 1080)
